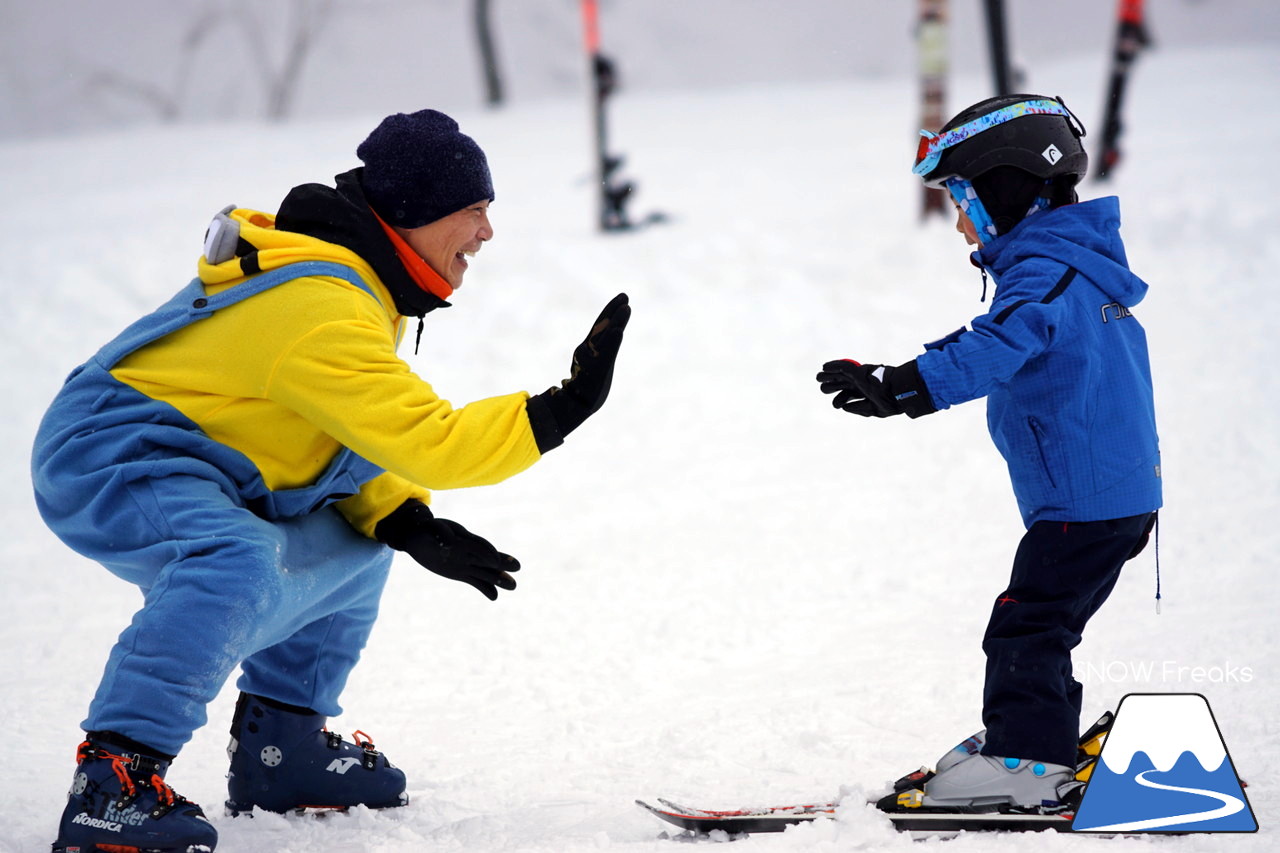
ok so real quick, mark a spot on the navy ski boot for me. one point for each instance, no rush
(283, 759)
(119, 801)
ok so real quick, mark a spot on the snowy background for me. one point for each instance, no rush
(80, 64)
(732, 594)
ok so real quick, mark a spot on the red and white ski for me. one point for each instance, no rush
(735, 821)
(903, 807)
(778, 818)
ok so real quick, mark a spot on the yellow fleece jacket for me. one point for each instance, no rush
(294, 374)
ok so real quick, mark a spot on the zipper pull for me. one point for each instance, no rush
(975, 258)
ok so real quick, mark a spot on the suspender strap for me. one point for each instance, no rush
(203, 306)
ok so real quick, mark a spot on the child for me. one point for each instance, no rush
(1063, 364)
(250, 454)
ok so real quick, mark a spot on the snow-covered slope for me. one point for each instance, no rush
(731, 592)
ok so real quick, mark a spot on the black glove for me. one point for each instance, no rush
(558, 411)
(876, 391)
(447, 548)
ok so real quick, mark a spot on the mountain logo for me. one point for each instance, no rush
(1164, 768)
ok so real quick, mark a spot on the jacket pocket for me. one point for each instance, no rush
(1040, 437)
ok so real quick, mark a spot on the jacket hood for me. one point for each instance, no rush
(261, 246)
(341, 215)
(1085, 236)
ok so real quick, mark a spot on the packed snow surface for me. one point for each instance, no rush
(732, 594)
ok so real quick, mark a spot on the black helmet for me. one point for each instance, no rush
(1035, 134)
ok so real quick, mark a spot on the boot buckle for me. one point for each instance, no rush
(363, 741)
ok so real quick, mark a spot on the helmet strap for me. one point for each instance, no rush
(1041, 202)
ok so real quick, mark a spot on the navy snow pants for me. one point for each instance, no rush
(1062, 574)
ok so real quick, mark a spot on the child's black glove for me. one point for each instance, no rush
(558, 411)
(876, 391)
(447, 548)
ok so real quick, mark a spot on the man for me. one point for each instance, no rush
(250, 454)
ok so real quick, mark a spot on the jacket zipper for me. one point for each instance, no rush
(1037, 432)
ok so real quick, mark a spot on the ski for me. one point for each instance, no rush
(998, 41)
(951, 822)
(903, 807)
(1131, 37)
(919, 820)
(738, 821)
(931, 49)
(614, 192)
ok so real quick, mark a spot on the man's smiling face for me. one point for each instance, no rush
(447, 243)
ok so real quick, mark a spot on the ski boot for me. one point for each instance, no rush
(909, 792)
(283, 759)
(917, 779)
(119, 801)
(990, 783)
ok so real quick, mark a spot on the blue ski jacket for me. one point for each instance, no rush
(1063, 364)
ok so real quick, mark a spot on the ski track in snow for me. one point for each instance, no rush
(730, 593)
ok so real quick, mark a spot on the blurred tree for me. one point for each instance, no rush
(307, 20)
(167, 96)
(488, 55)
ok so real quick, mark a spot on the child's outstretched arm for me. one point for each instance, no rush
(875, 390)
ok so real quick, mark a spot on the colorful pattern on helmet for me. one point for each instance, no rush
(933, 144)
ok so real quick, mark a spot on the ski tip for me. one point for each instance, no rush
(664, 808)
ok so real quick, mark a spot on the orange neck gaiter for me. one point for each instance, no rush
(419, 270)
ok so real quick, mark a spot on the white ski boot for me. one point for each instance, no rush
(987, 782)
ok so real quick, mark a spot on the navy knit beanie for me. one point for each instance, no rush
(418, 167)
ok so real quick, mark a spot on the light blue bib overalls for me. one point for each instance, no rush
(232, 573)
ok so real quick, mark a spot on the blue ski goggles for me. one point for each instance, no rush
(931, 146)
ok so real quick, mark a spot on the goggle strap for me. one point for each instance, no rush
(931, 146)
